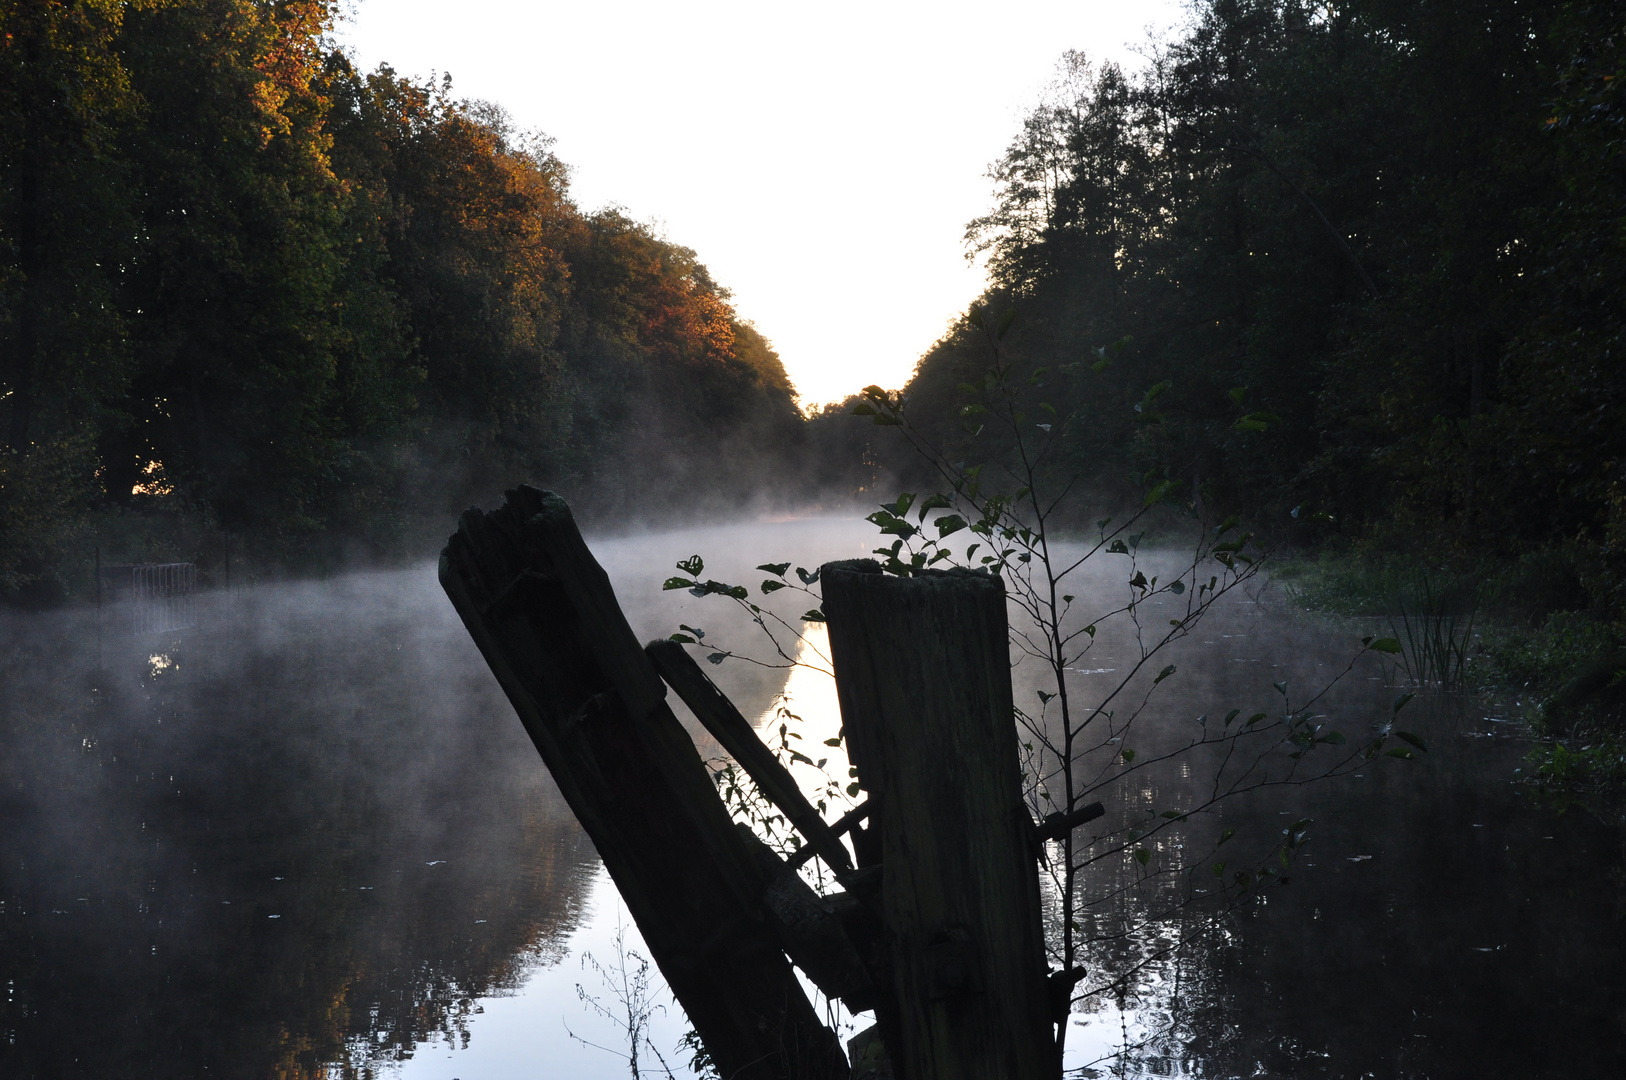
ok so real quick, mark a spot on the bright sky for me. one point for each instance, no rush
(822, 159)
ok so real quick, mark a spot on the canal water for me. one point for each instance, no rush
(307, 837)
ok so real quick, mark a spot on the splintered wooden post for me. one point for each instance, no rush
(923, 675)
(544, 615)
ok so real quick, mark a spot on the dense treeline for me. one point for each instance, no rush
(251, 295)
(1353, 270)
(1364, 261)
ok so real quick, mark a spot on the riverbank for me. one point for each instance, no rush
(1537, 636)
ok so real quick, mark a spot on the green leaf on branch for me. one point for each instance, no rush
(1143, 856)
(717, 657)
(681, 639)
(807, 578)
(1005, 321)
(949, 524)
(720, 588)
(1385, 645)
(777, 569)
(1164, 674)
(773, 586)
(1160, 492)
(1415, 740)
(1226, 835)
(678, 583)
(1259, 421)
(930, 503)
(692, 566)
(1400, 752)
(891, 524)
(1152, 395)
(901, 505)
(813, 615)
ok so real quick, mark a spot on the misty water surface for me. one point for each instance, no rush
(308, 837)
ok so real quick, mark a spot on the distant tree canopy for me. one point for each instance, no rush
(241, 281)
(1363, 261)
(1374, 254)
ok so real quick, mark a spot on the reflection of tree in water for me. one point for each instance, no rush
(1440, 925)
(309, 838)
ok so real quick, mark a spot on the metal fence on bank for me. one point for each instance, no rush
(151, 598)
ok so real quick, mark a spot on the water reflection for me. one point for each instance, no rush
(308, 834)
(1439, 923)
(309, 838)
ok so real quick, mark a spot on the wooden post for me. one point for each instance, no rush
(543, 613)
(736, 735)
(923, 676)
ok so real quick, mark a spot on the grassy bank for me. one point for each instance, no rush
(1537, 635)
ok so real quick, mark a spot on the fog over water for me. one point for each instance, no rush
(308, 837)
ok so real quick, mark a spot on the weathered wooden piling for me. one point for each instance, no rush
(923, 676)
(543, 613)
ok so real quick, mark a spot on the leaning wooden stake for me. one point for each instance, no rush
(736, 735)
(923, 676)
(544, 615)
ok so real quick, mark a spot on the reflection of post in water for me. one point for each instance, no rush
(938, 928)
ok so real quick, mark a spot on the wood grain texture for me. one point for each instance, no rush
(923, 676)
(544, 615)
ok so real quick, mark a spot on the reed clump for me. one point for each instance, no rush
(1434, 621)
